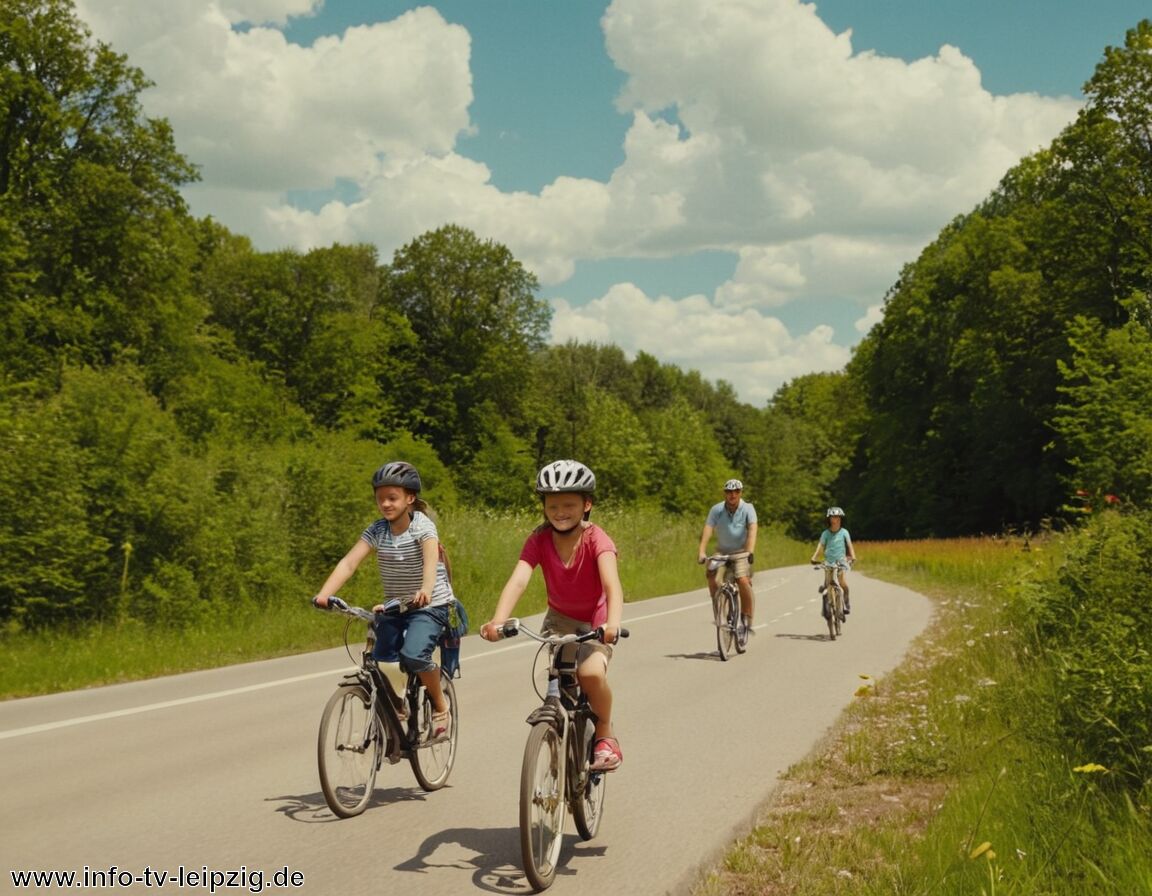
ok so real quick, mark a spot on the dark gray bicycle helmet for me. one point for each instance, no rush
(565, 476)
(397, 472)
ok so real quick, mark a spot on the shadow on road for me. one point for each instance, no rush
(310, 808)
(492, 855)
(797, 637)
(713, 656)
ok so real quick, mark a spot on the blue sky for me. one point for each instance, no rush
(730, 185)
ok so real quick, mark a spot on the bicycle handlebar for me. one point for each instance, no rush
(337, 605)
(514, 626)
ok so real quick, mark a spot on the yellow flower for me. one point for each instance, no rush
(1089, 768)
(980, 850)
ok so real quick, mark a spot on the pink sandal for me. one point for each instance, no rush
(441, 723)
(606, 755)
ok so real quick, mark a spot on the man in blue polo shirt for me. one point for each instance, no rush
(734, 522)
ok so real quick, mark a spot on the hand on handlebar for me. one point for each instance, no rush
(329, 603)
(492, 630)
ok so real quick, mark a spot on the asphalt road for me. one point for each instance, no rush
(215, 771)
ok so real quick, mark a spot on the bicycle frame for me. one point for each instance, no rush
(384, 696)
(562, 661)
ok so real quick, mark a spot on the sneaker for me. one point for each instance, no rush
(606, 757)
(748, 626)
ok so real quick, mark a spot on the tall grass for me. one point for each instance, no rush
(947, 776)
(657, 556)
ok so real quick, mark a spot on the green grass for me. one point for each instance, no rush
(944, 777)
(657, 556)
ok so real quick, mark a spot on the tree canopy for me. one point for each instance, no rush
(185, 419)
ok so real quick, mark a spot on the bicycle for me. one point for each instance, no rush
(833, 595)
(366, 722)
(557, 758)
(731, 629)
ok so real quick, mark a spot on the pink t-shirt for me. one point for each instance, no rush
(574, 590)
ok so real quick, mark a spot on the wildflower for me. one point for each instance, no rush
(1090, 768)
(985, 847)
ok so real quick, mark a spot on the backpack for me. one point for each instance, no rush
(457, 628)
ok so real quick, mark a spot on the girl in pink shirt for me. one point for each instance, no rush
(578, 562)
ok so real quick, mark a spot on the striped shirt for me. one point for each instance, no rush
(400, 559)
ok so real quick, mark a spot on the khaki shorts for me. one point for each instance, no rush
(558, 624)
(740, 568)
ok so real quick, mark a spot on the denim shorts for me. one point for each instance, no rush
(410, 637)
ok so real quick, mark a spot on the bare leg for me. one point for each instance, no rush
(593, 674)
(747, 598)
(431, 682)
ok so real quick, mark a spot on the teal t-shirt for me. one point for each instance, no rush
(835, 544)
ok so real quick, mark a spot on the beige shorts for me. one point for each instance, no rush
(740, 568)
(558, 624)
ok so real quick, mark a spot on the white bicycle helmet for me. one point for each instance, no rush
(565, 476)
(834, 511)
(733, 485)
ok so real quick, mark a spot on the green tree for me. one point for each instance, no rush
(53, 559)
(88, 199)
(1104, 418)
(687, 467)
(807, 446)
(473, 309)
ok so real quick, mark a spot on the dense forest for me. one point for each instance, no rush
(183, 417)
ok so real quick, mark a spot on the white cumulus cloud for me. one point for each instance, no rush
(755, 130)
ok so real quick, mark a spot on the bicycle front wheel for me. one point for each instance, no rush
(432, 760)
(726, 599)
(542, 805)
(588, 787)
(348, 751)
(837, 607)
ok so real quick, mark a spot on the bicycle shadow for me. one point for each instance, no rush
(714, 656)
(311, 808)
(493, 854)
(796, 636)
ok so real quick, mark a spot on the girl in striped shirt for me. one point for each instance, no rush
(417, 593)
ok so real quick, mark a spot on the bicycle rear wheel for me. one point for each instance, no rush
(726, 597)
(542, 805)
(432, 761)
(588, 787)
(348, 751)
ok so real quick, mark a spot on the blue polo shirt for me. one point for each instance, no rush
(731, 528)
